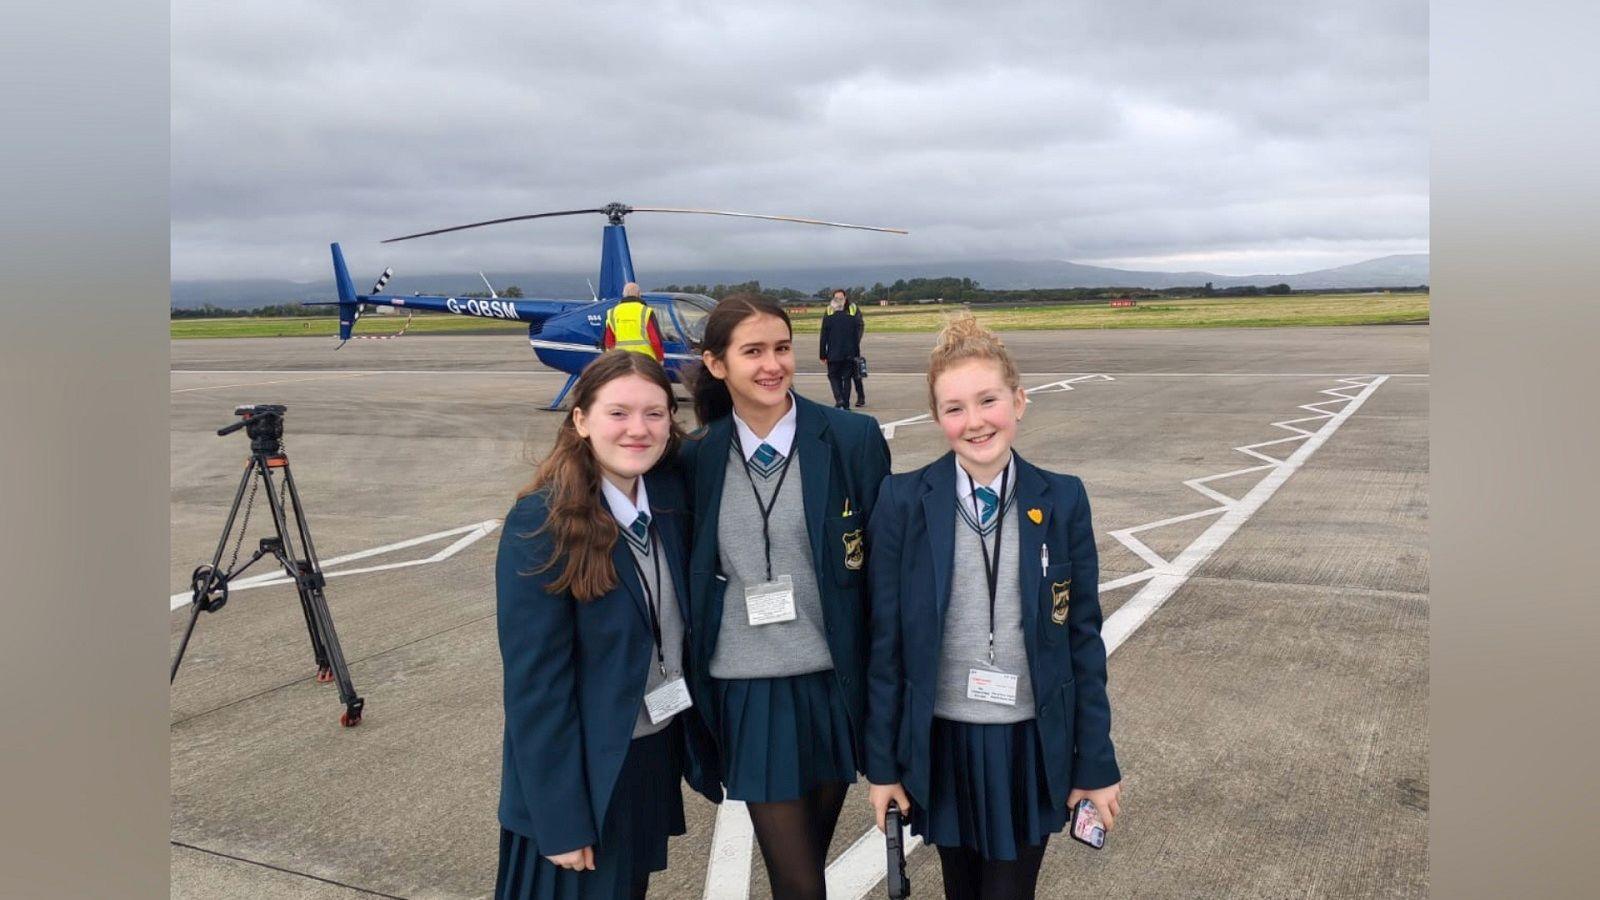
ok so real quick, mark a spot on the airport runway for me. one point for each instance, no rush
(1261, 507)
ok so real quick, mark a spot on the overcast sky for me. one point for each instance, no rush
(1252, 136)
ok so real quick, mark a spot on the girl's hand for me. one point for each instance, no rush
(1107, 802)
(881, 794)
(578, 860)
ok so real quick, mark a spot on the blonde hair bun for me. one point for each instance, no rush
(962, 338)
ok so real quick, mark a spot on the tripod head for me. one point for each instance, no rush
(263, 422)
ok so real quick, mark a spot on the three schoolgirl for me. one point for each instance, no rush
(814, 617)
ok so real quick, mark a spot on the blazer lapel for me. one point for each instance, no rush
(711, 464)
(622, 560)
(1033, 500)
(816, 469)
(939, 512)
(671, 547)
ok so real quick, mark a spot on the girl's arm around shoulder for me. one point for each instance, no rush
(1095, 763)
(536, 631)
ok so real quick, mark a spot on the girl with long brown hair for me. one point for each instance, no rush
(782, 490)
(592, 600)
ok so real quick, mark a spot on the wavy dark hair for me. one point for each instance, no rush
(711, 398)
(579, 520)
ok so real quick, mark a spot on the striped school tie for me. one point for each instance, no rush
(641, 528)
(766, 460)
(990, 500)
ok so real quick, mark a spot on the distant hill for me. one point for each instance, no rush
(1388, 271)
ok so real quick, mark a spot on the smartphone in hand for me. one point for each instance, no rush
(1086, 825)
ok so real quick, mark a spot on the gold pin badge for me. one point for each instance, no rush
(854, 554)
(1036, 515)
(1058, 601)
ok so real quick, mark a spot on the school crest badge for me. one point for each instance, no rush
(1058, 601)
(1036, 515)
(854, 554)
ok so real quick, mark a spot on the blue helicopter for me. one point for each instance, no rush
(566, 334)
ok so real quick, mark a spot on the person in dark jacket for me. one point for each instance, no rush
(782, 491)
(592, 604)
(841, 344)
(986, 708)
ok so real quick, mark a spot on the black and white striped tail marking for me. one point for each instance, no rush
(382, 280)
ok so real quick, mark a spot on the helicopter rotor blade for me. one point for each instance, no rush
(544, 215)
(719, 212)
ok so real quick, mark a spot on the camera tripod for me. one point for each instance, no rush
(264, 425)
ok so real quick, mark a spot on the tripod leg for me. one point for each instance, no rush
(311, 581)
(216, 560)
(287, 558)
(194, 614)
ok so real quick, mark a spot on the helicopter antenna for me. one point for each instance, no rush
(489, 286)
(592, 292)
(614, 213)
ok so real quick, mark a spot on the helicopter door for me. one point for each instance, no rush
(683, 324)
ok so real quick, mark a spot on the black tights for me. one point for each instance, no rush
(968, 876)
(794, 836)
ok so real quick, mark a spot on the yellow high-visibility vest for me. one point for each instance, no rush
(627, 321)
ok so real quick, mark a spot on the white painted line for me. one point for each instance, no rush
(728, 871)
(1126, 580)
(469, 534)
(860, 869)
(1127, 619)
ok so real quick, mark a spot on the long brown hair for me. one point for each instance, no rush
(582, 525)
(711, 398)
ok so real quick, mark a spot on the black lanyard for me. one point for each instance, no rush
(766, 509)
(991, 568)
(652, 597)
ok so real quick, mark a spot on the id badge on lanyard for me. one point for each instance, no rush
(992, 686)
(667, 700)
(770, 602)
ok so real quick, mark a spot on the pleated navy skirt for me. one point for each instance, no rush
(988, 790)
(782, 737)
(646, 808)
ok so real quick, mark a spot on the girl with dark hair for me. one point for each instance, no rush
(592, 600)
(987, 709)
(782, 490)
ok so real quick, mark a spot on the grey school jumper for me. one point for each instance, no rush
(966, 623)
(671, 632)
(782, 648)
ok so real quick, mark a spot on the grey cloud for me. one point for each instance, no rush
(1084, 131)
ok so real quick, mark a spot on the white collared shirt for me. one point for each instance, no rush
(965, 487)
(622, 506)
(781, 437)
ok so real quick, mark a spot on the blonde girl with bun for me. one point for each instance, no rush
(987, 712)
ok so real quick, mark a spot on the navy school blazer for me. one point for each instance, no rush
(843, 457)
(562, 756)
(913, 534)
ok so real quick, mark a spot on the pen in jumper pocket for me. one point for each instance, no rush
(1044, 560)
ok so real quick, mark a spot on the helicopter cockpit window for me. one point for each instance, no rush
(692, 311)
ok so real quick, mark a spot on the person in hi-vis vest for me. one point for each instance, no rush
(631, 325)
